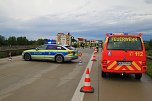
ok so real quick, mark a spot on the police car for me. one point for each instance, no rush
(58, 53)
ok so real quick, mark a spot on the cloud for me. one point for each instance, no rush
(148, 1)
(88, 18)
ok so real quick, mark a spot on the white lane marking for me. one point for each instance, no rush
(78, 96)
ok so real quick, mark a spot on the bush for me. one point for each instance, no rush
(149, 52)
(149, 68)
(3, 54)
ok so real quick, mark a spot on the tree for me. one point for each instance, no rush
(32, 42)
(22, 41)
(40, 42)
(150, 43)
(12, 40)
(2, 40)
(19, 41)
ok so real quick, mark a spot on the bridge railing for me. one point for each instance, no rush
(13, 48)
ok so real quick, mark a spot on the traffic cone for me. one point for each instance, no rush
(80, 62)
(95, 52)
(95, 49)
(87, 87)
(80, 55)
(94, 58)
(10, 57)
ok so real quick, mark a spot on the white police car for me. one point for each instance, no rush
(58, 53)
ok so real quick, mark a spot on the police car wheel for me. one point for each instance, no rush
(103, 74)
(59, 58)
(138, 76)
(27, 57)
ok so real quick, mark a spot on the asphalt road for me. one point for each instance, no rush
(49, 81)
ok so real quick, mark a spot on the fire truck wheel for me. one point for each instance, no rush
(103, 74)
(138, 76)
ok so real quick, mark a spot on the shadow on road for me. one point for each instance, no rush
(49, 61)
(124, 77)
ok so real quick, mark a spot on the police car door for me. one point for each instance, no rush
(39, 52)
(50, 52)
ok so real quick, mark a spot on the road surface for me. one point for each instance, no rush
(49, 81)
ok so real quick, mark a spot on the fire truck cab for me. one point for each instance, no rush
(123, 53)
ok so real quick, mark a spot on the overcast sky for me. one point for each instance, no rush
(83, 18)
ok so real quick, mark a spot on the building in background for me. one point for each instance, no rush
(64, 39)
(81, 41)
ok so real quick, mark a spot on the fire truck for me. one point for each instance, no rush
(124, 54)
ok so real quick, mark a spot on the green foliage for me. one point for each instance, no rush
(149, 52)
(2, 40)
(148, 45)
(40, 42)
(149, 67)
(12, 40)
(3, 54)
(22, 41)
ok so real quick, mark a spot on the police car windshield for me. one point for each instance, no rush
(124, 43)
(70, 47)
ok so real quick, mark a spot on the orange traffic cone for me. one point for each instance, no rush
(80, 62)
(95, 52)
(87, 87)
(80, 55)
(94, 58)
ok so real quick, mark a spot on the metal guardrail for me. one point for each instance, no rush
(149, 57)
(14, 48)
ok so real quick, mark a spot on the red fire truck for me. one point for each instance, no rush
(123, 53)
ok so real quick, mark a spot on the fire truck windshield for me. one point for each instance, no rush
(124, 43)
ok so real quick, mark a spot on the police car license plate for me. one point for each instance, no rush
(124, 63)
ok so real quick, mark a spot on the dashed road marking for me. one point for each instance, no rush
(78, 96)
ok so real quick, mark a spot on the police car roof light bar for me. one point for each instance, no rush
(49, 42)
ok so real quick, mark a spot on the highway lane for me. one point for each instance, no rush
(40, 80)
(116, 87)
(49, 81)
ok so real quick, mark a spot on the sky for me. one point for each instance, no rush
(90, 19)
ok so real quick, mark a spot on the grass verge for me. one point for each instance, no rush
(149, 67)
(149, 52)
